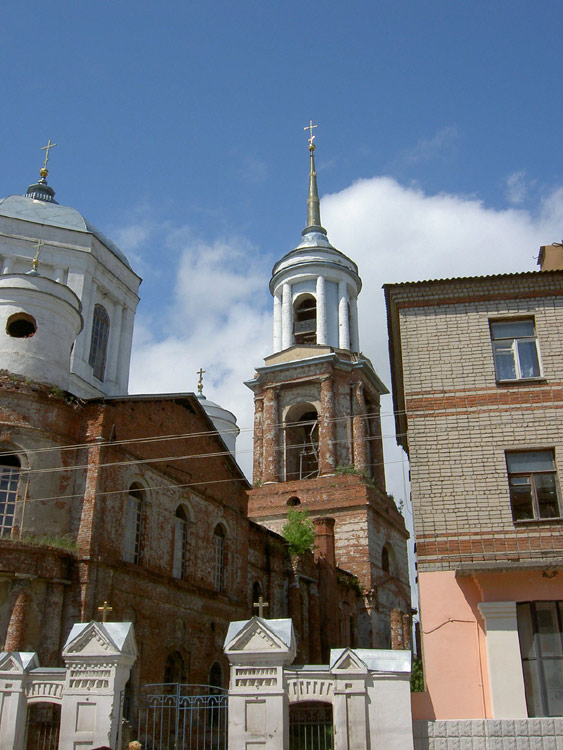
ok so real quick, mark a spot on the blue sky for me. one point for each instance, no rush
(180, 134)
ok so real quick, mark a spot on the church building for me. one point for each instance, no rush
(133, 507)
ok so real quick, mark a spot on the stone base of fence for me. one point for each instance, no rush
(489, 734)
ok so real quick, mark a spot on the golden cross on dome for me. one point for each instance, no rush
(201, 373)
(46, 149)
(260, 605)
(310, 127)
(35, 262)
(104, 610)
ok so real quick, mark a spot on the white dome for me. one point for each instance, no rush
(224, 421)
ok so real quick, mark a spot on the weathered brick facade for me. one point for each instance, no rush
(65, 555)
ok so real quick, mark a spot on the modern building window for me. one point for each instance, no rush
(541, 645)
(533, 485)
(133, 524)
(219, 558)
(9, 478)
(515, 349)
(181, 544)
(99, 342)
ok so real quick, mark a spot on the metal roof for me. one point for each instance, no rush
(53, 214)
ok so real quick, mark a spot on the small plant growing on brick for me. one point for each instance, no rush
(299, 532)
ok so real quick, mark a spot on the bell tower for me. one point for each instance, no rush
(317, 429)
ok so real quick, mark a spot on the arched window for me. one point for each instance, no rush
(385, 559)
(133, 524)
(219, 558)
(9, 478)
(175, 668)
(181, 544)
(216, 676)
(388, 560)
(99, 341)
(301, 442)
(305, 320)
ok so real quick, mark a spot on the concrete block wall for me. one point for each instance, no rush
(489, 734)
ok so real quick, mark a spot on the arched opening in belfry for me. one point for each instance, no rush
(305, 320)
(373, 437)
(301, 449)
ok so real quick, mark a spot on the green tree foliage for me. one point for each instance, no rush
(417, 677)
(299, 532)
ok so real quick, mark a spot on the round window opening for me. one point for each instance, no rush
(21, 326)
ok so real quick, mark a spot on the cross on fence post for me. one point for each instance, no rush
(104, 610)
(260, 605)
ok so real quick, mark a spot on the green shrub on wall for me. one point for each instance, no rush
(299, 532)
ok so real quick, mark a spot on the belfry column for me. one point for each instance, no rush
(343, 320)
(277, 323)
(258, 464)
(354, 332)
(321, 311)
(15, 637)
(270, 436)
(287, 317)
(326, 427)
(359, 428)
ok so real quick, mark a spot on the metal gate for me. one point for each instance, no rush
(310, 726)
(42, 726)
(182, 717)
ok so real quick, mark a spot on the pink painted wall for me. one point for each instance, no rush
(454, 640)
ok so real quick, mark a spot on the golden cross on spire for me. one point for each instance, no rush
(201, 373)
(35, 262)
(310, 127)
(104, 610)
(46, 150)
(260, 605)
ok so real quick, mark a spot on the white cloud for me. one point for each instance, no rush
(217, 318)
(516, 188)
(219, 314)
(440, 145)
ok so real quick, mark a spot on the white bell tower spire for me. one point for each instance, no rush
(315, 286)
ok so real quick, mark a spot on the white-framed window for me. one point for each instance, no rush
(9, 479)
(515, 349)
(540, 631)
(99, 341)
(533, 485)
(219, 558)
(133, 524)
(181, 560)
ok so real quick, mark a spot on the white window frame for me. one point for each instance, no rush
(219, 558)
(9, 482)
(511, 344)
(529, 478)
(133, 524)
(180, 563)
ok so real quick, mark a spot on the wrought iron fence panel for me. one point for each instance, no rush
(183, 717)
(311, 726)
(43, 726)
